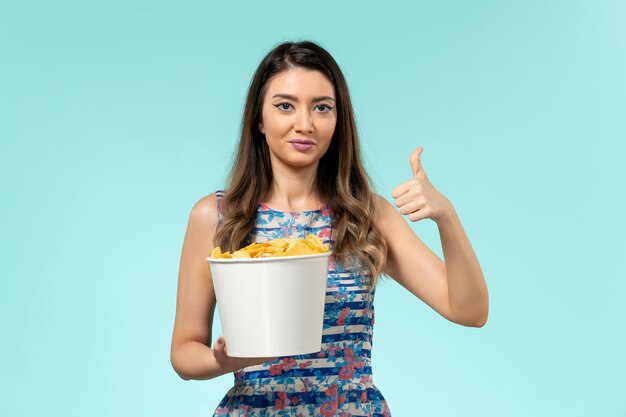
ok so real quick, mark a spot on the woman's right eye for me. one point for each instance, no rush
(280, 106)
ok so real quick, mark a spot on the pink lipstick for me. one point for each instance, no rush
(302, 144)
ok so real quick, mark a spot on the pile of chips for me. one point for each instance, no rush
(277, 247)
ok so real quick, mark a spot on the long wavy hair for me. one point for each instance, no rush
(341, 180)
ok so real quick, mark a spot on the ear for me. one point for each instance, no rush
(261, 127)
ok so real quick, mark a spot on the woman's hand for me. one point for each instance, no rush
(219, 350)
(418, 198)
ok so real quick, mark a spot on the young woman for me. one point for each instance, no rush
(297, 171)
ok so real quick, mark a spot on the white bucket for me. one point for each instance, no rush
(271, 306)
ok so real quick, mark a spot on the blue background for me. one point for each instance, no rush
(117, 116)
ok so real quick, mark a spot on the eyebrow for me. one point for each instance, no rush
(294, 98)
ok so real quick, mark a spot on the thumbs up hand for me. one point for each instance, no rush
(417, 197)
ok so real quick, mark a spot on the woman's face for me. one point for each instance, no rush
(298, 117)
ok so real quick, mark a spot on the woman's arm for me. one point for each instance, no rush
(455, 289)
(467, 289)
(190, 354)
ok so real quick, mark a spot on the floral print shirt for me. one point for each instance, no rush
(338, 380)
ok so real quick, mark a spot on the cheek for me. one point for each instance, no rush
(328, 128)
(280, 127)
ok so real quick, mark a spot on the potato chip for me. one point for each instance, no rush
(276, 247)
(281, 243)
(216, 253)
(241, 254)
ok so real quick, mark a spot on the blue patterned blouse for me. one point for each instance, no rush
(338, 380)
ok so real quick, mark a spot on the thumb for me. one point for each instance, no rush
(416, 164)
(219, 347)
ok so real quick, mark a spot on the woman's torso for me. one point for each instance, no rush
(336, 380)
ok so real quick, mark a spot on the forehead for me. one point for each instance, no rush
(300, 82)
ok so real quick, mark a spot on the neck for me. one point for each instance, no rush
(293, 189)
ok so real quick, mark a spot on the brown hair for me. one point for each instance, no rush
(341, 179)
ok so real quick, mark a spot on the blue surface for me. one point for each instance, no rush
(117, 117)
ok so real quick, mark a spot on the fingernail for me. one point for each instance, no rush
(219, 340)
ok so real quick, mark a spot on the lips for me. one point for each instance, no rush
(302, 145)
(302, 141)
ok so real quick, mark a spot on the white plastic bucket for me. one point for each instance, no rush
(271, 306)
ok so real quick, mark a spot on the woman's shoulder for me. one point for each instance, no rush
(383, 211)
(206, 210)
(381, 205)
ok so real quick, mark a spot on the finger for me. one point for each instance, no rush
(219, 347)
(407, 197)
(401, 189)
(421, 214)
(411, 207)
(265, 360)
(416, 164)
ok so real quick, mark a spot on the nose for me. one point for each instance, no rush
(303, 122)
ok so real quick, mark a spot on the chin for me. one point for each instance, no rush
(299, 162)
